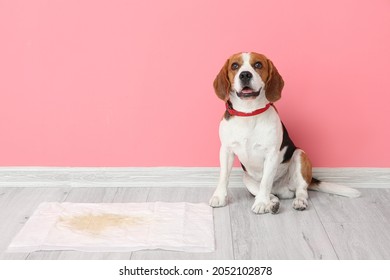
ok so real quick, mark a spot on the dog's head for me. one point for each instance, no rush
(249, 75)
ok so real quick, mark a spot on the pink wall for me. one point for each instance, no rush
(129, 83)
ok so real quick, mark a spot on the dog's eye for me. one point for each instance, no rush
(258, 65)
(235, 66)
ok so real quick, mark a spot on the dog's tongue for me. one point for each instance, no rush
(246, 90)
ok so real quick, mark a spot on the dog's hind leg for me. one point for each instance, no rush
(300, 175)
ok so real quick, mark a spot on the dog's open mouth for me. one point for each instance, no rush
(248, 93)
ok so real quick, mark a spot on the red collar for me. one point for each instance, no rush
(233, 112)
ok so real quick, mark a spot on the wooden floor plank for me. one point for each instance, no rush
(332, 227)
(360, 241)
(372, 205)
(129, 195)
(359, 228)
(290, 234)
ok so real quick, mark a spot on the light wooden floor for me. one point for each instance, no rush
(331, 228)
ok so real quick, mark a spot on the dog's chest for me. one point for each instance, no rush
(251, 138)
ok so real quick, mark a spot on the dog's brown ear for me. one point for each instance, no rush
(222, 84)
(274, 84)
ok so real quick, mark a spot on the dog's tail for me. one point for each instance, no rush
(317, 185)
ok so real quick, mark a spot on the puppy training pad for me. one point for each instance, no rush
(117, 227)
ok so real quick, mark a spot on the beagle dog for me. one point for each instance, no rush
(251, 129)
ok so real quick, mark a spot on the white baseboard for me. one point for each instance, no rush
(168, 176)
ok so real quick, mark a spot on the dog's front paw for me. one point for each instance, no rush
(271, 206)
(300, 204)
(218, 200)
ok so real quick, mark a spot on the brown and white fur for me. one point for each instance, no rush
(273, 166)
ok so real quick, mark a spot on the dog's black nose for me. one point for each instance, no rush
(245, 76)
